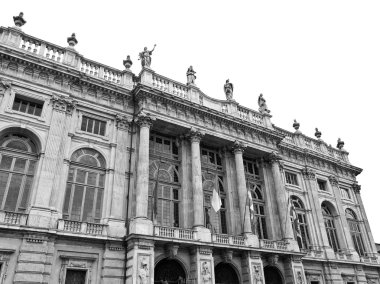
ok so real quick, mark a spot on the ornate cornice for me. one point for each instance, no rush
(122, 121)
(195, 135)
(333, 180)
(238, 147)
(63, 104)
(356, 187)
(308, 173)
(145, 119)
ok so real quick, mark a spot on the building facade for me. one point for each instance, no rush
(111, 177)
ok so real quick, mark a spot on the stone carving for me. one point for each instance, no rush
(257, 277)
(145, 56)
(274, 157)
(19, 20)
(239, 146)
(356, 187)
(195, 135)
(205, 273)
(229, 90)
(340, 144)
(273, 259)
(127, 63)
(4, 85)
(227, 255)
(190, 75)
(172, 250)
(308, 173)
(333, 180)
(145, 119)
(299, 278)
(262, 105)
(143, 272)
(72, 40)
(63, 104)
(318, 133)
(122, 121)
(296, 126)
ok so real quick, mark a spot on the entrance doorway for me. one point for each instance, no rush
(272, 275)
(225, 274)
(171, 271)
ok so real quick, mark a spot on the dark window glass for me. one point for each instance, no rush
(27, 105)
(322, 185)
(291, 178)
(75, 276)
(92, 125)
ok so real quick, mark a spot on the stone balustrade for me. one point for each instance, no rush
(82, 227)
(29, 44)
(54, 53)
(90, 68)
(229, 240)
(174, 233)
(13, 218)
(112, 75)
(274, 245)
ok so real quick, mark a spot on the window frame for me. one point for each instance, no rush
(258, 222)
(324, 182)
(300, 210)
(331, 231)
(107, 120)
(291, 174)
(93, 125)
(355, 232)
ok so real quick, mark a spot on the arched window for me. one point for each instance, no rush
(300, 228)
(85, 186)
(330, 227)
(356, 234)
(165, 194)
(257, 210)
(18, 159)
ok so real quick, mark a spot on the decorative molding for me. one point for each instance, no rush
(333, 180)
(239, 147)
(63, 104)
(38, 239)
(356, 187)
(273, 259)
(145, 119)
(308, 173)
(227, 255)
(274, 157)
(171, 250)
(122, 122)
(195, 135)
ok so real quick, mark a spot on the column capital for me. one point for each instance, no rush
(308, 173)
(63, 104)
(4, 85)
(122, 121)
(195, 135)
(274, 157)
(145, 119)
(356, 187)
(238, 147)
(333, 180)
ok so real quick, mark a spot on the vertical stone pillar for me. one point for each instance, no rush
(252, 268)
(238, 150)
(281, 197)
(141, 224)
(372, 247)
(40, 214)
(187, 196)
(294, 272)
(348, 243)
(201, 266)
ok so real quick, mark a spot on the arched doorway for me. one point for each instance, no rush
(170, 270)
(225, 274)
(272, 275)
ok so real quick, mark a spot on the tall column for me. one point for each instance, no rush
(196, 177)
(281, 199)
(372, 247)
(238, 149)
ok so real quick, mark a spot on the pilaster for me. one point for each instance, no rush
(140, 261)
(294, 271)
(202, 265)
(252, 268)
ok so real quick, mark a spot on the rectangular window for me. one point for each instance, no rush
(93, 125)
(345, 193)
(291, 178)
(322, 185)
(27, 105)
(251, 168)
(75, 276)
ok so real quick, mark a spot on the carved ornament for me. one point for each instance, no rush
(195, 135)
(273, 259)
(227, 255)
(333, 180)
(308, 173)
(172, 250)
(145, 119)
(239, 147)
(257, 275)
(122, 121)
(4, 85)
(63, 104)
(356, 187)
(274, 157)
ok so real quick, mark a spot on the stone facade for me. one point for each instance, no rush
(111, 177)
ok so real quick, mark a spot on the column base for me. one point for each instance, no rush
(252, 240)
(203, 234)
(141, 226)
(43, 218)
(116, 228)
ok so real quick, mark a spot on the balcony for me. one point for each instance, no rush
(174, 233)
(274, 245)
(228, 240)
(13, 218)
(82, 227)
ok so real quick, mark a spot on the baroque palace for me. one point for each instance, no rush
(111, 177)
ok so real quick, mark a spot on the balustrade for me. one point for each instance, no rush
(82, 227)
(30, 45)
(276, 245)
(175, 233)
(13, 218)
(112, 76)
(89, 68)
(53, 53)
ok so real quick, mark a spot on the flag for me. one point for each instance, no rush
(296, 226)
(216, 202)
(155, 194)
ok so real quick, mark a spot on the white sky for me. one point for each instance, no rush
(316, 61)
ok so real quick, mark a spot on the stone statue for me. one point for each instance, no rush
(262, 104)
(257, 278)
(190, 75)
(4, 84)
(143, 272)
(299, 277)
(229, 90)
(206, 274)
(145, 57)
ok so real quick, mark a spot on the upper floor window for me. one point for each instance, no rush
(257, 210)
(345, 193)
(211, 157)
(85, 186)
(92, 125)
(329, 221)
(356, 234)
(18, 159)
(291, 178)
(251, 168)
(27, 105)
(322, 185)
(162, 145)
(300, 227)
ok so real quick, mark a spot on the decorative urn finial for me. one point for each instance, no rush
(296, 125)
(318, 133)
(127, 62)
(340, 144)
(19, 20)
(72, 40)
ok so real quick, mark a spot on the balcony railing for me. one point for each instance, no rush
(275, 245)
(13, 218)
(174, 233)
(228, 240)
(82, 227)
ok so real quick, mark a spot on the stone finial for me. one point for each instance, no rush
(127, 63)
(190, 75)
(340, 144)
(318, 133)
(296, 125)
(72, 40)
(262, 105)
(19, 20)
(229, 90)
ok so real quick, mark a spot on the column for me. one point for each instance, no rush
(348, 243)
(238, 149)
(196, 177)
(281, 199)
(201, 265)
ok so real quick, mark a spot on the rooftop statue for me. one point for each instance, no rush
(262, 104)
(145, 57)
(229, 90)
(190, 75)
(19, 20)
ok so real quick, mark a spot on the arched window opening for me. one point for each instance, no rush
(356, 234)
(257, 210)
(85, 186)
(164, 193)
(18, 160)
(298, 218)
(329, 221)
